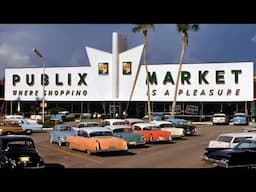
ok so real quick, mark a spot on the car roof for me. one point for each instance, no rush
(10, 137)
(88, 122)
(241, 134)
(113, 127)
(239, 114)
(131, 120)
(94, 129)
(222, 114)
(115, 120)
(161, 122)
(146, 124)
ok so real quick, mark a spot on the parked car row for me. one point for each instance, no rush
(92, 137)
(222, 119)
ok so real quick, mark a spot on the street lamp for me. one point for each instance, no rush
(43, 97)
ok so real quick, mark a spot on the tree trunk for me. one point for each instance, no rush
(178, 75)
(147, 76)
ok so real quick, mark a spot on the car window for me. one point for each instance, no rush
(120, 123)
(246, 144)
(137, 128)
(151, 128)
(122, 130)
(225, 139)
(165, 125)
(20, 145)
(82, 133)
(101, 133)
(238, 139)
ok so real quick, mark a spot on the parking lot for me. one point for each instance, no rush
(182, 153)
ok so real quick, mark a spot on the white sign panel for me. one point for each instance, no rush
(61, 84)
(198, 82)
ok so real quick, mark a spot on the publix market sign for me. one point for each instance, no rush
(198, 82)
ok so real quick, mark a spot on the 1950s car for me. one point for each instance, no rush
(184, 124)
(59, 133)
(228, 140)
(19, 151)
(242, 155)
(132, 121)
(114, 122)
(152, 132)
(168, 126)
(220, 118)
(240, 119)
(29, 126)
(85, 124)
(124, 131)
(96, 140)
(88, 124)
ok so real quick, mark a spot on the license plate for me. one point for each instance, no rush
(161, 138)
(112, 147)
(132, 143)
(24, 159)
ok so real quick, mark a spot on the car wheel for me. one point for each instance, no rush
(88, 152)
(59, 142)
(8, 133)
(28, 131)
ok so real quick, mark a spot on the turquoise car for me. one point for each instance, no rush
(240, 119)
(123, 131)
(59, 133)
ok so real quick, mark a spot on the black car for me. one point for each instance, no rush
(189, 129)
(18, 151)
(242, 155)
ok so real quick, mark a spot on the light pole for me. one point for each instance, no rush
(43, 97)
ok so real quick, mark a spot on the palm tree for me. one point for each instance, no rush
(183, 29)
(144, 28)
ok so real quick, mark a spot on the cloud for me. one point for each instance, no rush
(11, 56)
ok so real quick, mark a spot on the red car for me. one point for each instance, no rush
(152, 132)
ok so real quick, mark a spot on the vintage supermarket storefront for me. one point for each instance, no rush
(115, 83)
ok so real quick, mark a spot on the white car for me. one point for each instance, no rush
(170, 127)
(220, 118)
(229, 140)
(114, 122)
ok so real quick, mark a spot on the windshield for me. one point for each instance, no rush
(151, 128)
(166, 125)
(123, 130)
(246, 145)
(226, 139)
(101, 133)
(120, 123)
(65, 128)
(19, 145)
(88, 125)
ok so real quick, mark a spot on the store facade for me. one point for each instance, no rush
(115, 83)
